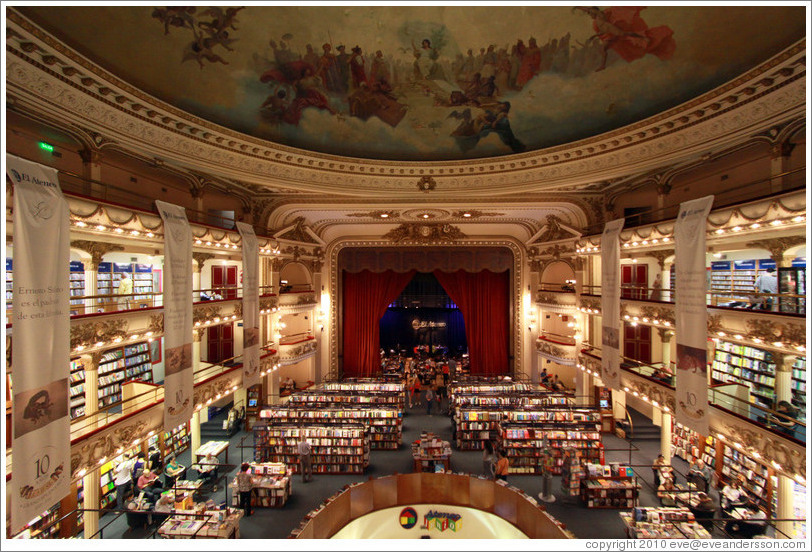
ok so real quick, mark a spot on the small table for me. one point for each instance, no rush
(429, 449)
(204, 525)
(214, 447)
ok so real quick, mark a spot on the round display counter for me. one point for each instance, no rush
(431, 505)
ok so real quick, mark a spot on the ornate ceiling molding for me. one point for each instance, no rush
(44, 76)
(424, 234)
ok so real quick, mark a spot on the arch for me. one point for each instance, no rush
(296, 274)
(558, 272)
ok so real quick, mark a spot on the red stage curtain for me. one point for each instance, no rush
(367, 295)
(483, 299)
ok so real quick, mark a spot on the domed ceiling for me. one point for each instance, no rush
(424, 83)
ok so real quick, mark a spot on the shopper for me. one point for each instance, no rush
(733, 496)
(150, 485)
(656, 467)
(502, 466)
(754, 524)
(122, 477)
(245, 484)
(766, 283)
(429, 399)
(488, 460)
(700, 475)
(208, 469)
(416, 392)
(172, 470)
(305, 459)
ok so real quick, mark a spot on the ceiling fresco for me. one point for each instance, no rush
(425, 82)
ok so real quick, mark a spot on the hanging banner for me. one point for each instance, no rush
(250, 305)
(179, 379)
(691, 314)
(610, 303)
(41, 467)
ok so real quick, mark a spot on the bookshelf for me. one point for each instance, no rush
(756, 477)
(104, 281)
(686, 443)
(474, 426)
(119, 365)
(799, 386)
(9, 288)
(514, 400)
(522, 435)
(272, 485)
(340, 449)
(709, 452)
(44, 526)
(603, 487)
(754, 368)
(571, 474)
(384, 425)
(77, 388)
(176, 441)
(107, 494)
(328, 398)
(738, 278)
(77, 287)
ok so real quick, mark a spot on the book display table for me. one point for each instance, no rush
(272, 485)
(662, 523)
(429, 451)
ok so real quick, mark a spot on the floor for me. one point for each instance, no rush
(276, 523)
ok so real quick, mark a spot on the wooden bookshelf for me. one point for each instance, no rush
(340, 449)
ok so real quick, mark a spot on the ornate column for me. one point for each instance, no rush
(786, 507)
(91, 488)
(195, 427)
(197, 268)
(665, 336)
(91, 364)
(321, 360)
(783, 376)
(777, 248)
(779, 164)
(663, 189)
(665, 437)
(97, 251)
(197, 337)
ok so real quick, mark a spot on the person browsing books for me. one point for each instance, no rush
(502, 466)
(245, 485)
(305, 459)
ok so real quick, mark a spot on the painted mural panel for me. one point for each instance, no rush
(428, 82)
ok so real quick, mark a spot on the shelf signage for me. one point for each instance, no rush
(744, 265)
(720, 265)
(764, 264)
(105, 267)
(40, 299)
(77, 266)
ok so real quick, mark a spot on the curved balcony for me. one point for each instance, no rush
(295, 348)
(559, 301)
(557, 348)
(295, 300)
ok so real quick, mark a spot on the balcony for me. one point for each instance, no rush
(296, 347)
(297, 298)
(557, 348)
(731, 407)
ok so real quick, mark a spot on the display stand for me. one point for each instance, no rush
(272, 485)
(430, 451)
(662, 523)
(602, 488)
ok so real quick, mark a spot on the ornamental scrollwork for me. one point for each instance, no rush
(156, 323)
(205, 312)
(268, 303)
(547, 299)
(306, 299)
(772, 450)
(90, 333)
(424, 233)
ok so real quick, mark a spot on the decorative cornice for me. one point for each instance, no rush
(777, 246)
(200, 259)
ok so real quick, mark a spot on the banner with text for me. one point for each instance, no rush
(41, 357)
(610, 303)
(179, 378)
(250, 305)
(691, 310)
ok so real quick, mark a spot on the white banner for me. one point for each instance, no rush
(610, 303)
(179, 382)
(691, 314)
(41, 348)
(250, 305)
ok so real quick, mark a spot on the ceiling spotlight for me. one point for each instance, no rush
(425, 215)
(466, 215)
(384, 215)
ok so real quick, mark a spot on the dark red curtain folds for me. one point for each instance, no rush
(366, 298)
(483, 299)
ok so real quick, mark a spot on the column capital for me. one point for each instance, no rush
(784, 361)
(200, 258)
(96, 250)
